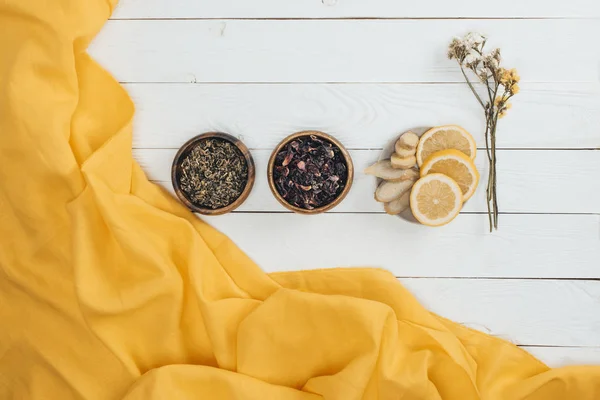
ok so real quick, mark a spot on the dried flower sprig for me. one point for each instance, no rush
(500, 86)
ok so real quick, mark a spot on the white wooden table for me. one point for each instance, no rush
(366, 71)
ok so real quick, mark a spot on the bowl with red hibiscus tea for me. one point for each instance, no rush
(213, 173)
(310, 172)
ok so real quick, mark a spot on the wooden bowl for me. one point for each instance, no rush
(184, 151)
(338, 199)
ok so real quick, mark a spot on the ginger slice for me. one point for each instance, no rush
(384, 170)
(403, 162)
(402, 152)
(399, 205)
(407, 141)
(390, 191)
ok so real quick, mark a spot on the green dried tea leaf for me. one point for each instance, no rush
(213, 174)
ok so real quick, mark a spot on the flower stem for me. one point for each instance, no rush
(492, 198)
(487, 136)
(471, 86)
(492, 179)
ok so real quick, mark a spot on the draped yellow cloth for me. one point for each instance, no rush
(110, 289)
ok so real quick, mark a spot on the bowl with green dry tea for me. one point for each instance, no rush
(213, 173)
(310, 172)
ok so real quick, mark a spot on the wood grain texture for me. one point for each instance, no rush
(526, 246)
(351, 9)
(530, 181)
(556, 115)
(559, 313)
(337, 50)
(265, 79)
(557, 357)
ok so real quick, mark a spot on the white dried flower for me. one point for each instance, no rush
(457, 49)
(457, 40)
(473, 39)
(496, 54)
(503, 83)
(490, 61)
(472, 59)
(484, 75)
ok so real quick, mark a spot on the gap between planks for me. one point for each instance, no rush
(526, 246)
(568, 188)
(341, 83)
(498, 278)
(169, 50)
(344, 18)
(262, 114)
(167, 184)
(390, 83)
(352, 9)
(381, 148)
(561, 356)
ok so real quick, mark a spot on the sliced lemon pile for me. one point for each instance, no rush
(443, 138)
(456, 165)
(436, 200)
(448, 176)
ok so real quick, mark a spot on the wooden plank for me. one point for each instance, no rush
(351, 9)
(337, 50)
(557, 357)
(526, 246)
(547, 313)
(555, 115)
(530, 181)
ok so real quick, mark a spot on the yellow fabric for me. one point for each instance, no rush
(110, 289)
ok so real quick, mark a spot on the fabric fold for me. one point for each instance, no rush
(110, 289)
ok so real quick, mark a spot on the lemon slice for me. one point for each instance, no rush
(443, 138)
(435, 200)
(457, 166)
